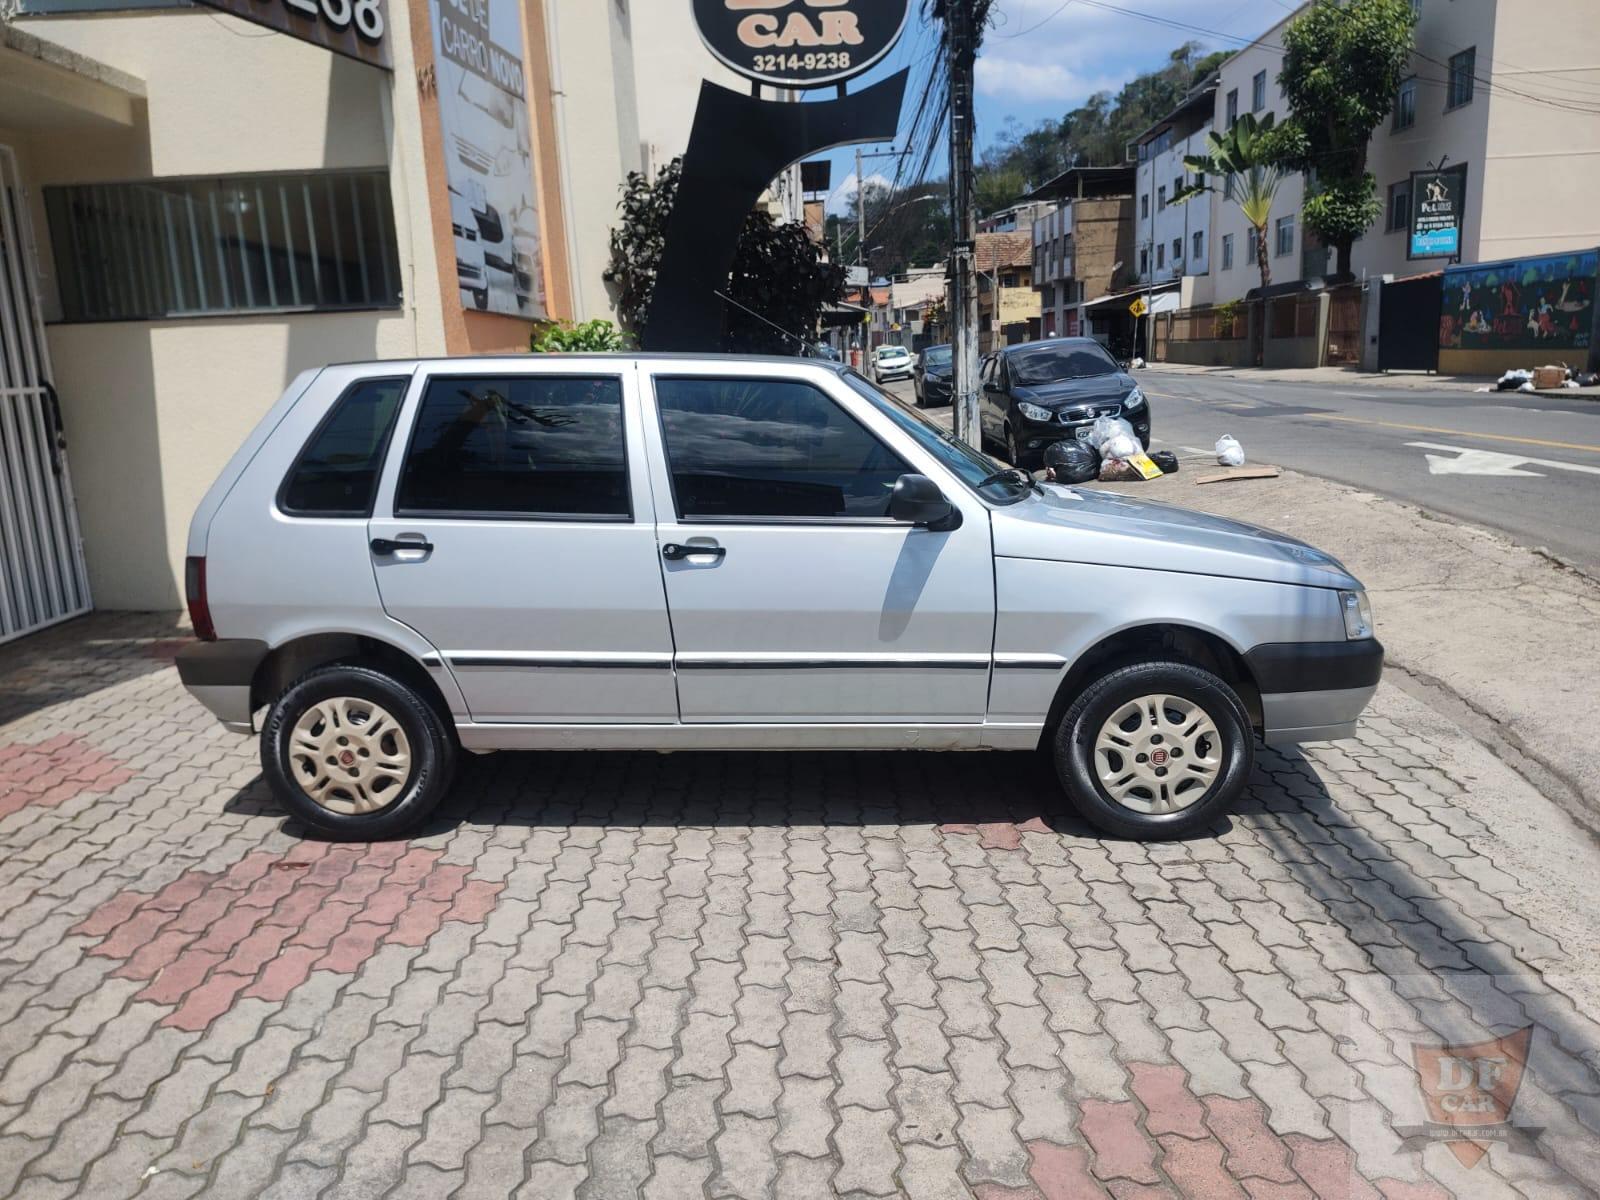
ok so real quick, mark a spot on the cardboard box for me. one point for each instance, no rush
(1549, 377)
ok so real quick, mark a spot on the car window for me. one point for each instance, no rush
(337, 472)
(742, 449)
(978, 471)
(1051, 362)
(531, 445)
(936, 356)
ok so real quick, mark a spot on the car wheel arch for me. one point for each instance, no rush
(293, 659)
(1171, 641)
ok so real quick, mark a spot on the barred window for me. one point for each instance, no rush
(221, 246)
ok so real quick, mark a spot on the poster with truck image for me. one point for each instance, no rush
(483, 115)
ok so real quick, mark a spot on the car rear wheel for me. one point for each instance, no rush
(1013, 448)
(356, 753)
(1155, 750)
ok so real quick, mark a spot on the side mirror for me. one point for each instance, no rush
(917, 500)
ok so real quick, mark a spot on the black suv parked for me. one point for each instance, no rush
(1042, 392)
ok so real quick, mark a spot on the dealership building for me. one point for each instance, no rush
(194, 207)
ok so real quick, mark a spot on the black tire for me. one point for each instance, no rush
(431, 751)
(1014, 453)
(1075, 748)
(922, 401)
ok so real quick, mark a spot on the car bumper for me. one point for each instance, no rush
(935, 390)
(1036, 435)
(219, 675)
(1314, 691)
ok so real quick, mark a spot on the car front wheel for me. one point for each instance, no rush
(356, 753)
(1155, 750)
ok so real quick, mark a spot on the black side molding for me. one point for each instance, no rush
(1315, 666)
(231, 662)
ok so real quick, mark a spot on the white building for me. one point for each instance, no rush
(1174, 239)
(1508, 88)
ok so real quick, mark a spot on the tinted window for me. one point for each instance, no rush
(741, 448)
(936, 356)
(525, 445)
(338, 470)
(1049, 363)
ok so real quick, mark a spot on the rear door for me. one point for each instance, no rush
(510, 533)
(793, 596)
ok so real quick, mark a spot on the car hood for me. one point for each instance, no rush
(1096, 389)
(1087, 525)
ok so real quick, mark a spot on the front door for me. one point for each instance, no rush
(510, 535)
(42, 575)
(794, 598)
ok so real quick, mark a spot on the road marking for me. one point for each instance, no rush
(1492, 437)
(1490, 462)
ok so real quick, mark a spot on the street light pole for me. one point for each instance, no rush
(963, 225)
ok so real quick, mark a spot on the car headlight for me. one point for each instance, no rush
(1033, 412)
(1134, 401)
(1357, 611)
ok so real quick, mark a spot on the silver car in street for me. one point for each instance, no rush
(406, 560)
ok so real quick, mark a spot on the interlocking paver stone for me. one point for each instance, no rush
(801, 975)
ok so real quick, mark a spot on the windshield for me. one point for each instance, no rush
(1055, 361)
(936, 356)
(954, 455)
(891, 351)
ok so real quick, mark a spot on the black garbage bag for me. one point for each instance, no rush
(1166, 460)
(1072, 462)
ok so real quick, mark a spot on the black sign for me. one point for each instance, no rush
(800, 43)
(816, 176)
(1438, 202)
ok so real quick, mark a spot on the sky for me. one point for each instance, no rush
(1042, 58)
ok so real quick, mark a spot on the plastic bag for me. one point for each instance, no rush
(1106, 428)
(1166, 460)
(1072, 462)
(1229, 452)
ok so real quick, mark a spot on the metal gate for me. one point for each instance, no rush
(42, 575)
(1408, 324)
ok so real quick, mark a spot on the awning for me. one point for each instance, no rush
(842, 314)
(1161, 299)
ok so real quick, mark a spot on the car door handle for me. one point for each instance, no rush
(674, 551)
(390, 546)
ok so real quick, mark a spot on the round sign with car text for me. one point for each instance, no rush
(800, 43)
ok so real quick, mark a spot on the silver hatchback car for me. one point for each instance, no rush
(410, 559)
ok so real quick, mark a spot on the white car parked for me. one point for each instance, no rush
(891, 362)
(408, 559)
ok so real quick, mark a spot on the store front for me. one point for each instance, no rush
(197, 209)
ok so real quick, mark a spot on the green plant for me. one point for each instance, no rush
(591, 337)
(1241, 160)
(1227, 313)
(775, 292)
(1343, 62)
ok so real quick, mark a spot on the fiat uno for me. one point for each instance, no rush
(406, 560)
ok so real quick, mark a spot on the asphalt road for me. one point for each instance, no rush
(1526, 466)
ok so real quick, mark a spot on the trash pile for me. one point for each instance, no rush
(1111, 452)
(1544, 379)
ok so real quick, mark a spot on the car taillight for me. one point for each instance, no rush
(194, 586)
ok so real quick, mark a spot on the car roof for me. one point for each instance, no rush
(1060, 341)
(790, 360)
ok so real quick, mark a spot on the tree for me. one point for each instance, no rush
(1239, 164)
(1343, 62)
(775, 292)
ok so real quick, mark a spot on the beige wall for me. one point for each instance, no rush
(1103, 236)
(153, 409)
(670, 62)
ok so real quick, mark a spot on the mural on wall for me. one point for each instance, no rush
(1525, 304)
(483, 114)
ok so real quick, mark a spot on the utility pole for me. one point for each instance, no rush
(963, 224)
(861, 212)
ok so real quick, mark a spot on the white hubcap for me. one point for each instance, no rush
(1158, 754)
(350, 756)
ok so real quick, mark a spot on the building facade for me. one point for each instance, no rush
(1482, 91)
(1008, 306)
(1083, 249)
(200, 207)
(1174, 238)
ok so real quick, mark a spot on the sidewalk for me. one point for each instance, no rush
(791, 975)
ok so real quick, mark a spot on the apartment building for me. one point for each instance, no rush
(1083, 248)
(1509, 90)
(1174, 238)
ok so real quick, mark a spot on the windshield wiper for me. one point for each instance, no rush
(1028, 480)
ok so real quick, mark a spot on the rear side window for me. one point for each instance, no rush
(763, 448)
(337, 473)
(533, 446)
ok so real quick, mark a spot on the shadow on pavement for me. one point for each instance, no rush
(83, 656)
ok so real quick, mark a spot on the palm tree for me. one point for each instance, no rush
(1240, 158)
